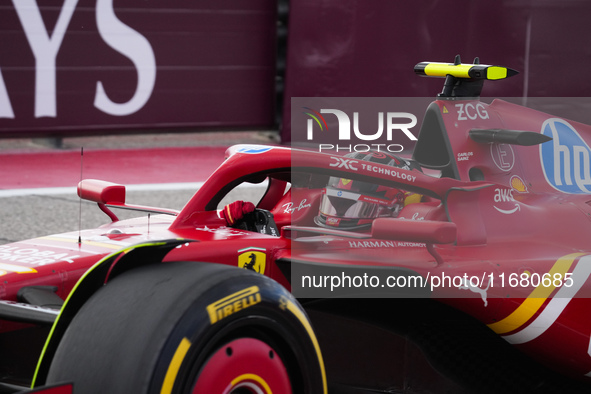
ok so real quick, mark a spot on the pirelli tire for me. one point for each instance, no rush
(188, 327)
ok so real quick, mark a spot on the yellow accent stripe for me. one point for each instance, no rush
(230, 218)
(85, 242)
(443, 69)
(495, 72)
(251, 376)
(478, 71)
(175, 365)
(535, 300)
(78, 284)
(302, 318)
(17, 268)
(213, 308)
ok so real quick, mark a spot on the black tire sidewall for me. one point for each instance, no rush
(124, 338)
(265, 321)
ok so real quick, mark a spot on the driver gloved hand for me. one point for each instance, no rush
(235, 211)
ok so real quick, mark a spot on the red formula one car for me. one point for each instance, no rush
(464, 269)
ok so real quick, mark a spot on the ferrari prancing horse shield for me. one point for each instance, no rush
(253, 259)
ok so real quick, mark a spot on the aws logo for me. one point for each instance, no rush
(566, 160)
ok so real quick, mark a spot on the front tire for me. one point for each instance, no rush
(189, 327)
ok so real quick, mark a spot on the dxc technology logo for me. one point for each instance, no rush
(565, 160)
(388, 124)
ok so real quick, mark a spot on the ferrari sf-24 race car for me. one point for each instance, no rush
(464, 268)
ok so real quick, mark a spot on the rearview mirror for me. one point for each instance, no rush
(102, 192)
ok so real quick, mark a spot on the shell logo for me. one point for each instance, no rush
(518, 184)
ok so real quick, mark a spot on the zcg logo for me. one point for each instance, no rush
(472, 112)
(566, 161)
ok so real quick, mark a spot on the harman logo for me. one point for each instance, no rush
(233, 303)
(388, 124)
(566, 161)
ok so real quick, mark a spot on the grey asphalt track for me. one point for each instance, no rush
(33, 215)
(25, 217)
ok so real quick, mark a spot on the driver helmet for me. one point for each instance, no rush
(352, 205)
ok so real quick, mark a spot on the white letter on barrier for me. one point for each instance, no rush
(5, 107)
(44, 49)
(136, 48)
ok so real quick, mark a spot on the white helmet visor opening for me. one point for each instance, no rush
(349, 205)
